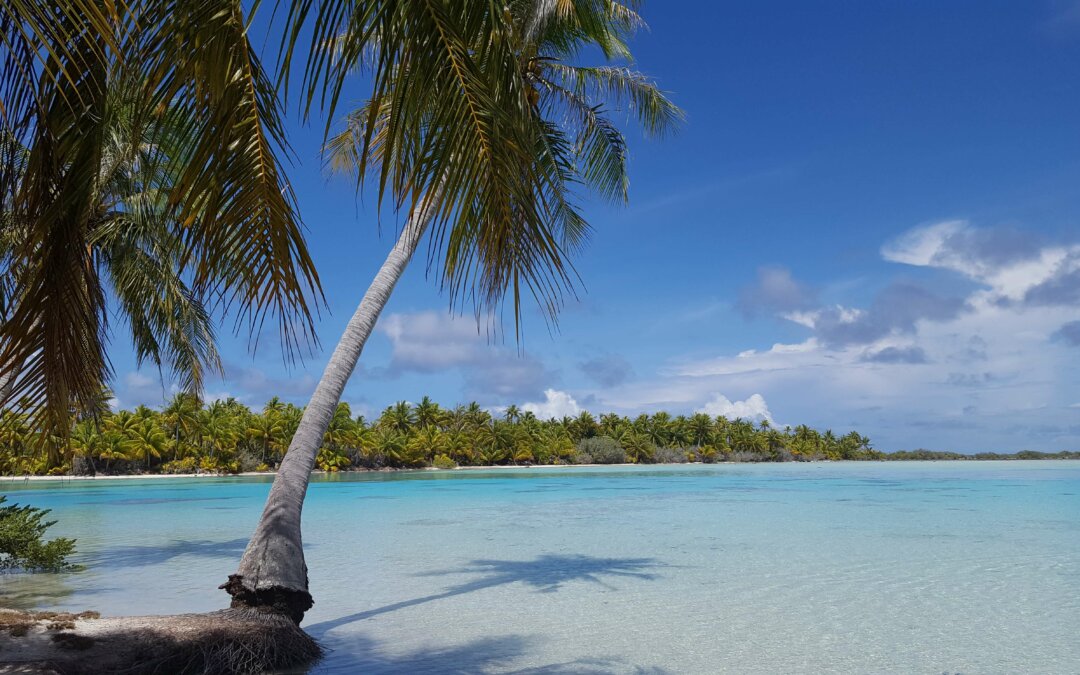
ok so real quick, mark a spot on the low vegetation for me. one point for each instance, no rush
(22, 541)
(935, 455)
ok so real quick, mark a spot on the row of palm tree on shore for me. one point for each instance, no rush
(186, 436)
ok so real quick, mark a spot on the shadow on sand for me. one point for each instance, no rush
(546, 573)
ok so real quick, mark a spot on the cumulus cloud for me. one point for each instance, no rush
(895, 311)
(506, 377)
(607, 371)
(429, 342)
(775, 291)
(1007, 344)
(1061, 289)
(1011, 267)
(256, 385)
(136, 388)
(753, 408)
(556, 404)
(970, 379)
(896, 355)
(1069, 333)
(956, 245)
(1016, 266)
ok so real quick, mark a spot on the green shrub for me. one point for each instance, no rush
(707, 454)
(21, 546)
(185, 465)
(602, 450)
(331, 460)
(443, 462)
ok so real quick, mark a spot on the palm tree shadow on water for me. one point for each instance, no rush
(546, 573)
(143, 555)
(483, 655)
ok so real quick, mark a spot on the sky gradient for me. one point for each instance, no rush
(868, 221)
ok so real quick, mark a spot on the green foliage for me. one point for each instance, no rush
(22, 545)
(444, 462)
(602, 450)
(706, 454)
(183, 466)
(935, 455)
(331, 460)
(187, 436)
(141, 144)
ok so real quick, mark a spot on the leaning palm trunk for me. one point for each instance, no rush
(272, 573)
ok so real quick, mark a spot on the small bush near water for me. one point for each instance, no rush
(601, 450)
(22, 545)
(444, 462)
(669, 456)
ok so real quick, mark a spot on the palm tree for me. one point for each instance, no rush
(399, 417)
(427, 443)
(181, 419)
(136, 251)
(341, 430)
(266, 431)
(512, 413)
(146, 440)
(428, 412)
(87, 440)
(179, 86)
(496, 199)
(701, 429)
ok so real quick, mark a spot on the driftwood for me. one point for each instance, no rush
(226, 641)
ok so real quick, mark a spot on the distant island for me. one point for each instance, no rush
(226, 437)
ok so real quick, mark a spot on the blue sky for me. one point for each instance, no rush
(870, 221)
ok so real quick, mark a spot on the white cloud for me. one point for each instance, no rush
(556, 404)
(136, 388)
(753, 408)
(925, 246)
(137, 380)
(837, 313)
(430, 342)
(1010, 263)
(256, 385)
(779, 357)
(936, 368)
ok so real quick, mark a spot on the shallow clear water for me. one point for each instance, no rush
(811, 568)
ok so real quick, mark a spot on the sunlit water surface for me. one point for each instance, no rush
(796, 568)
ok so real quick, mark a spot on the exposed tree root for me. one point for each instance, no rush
(293, 604)
(227, 641)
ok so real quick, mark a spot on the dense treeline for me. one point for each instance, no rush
(187, 436)
(226, 436)
(939, 455)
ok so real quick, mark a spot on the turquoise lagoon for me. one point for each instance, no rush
(952, 567)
